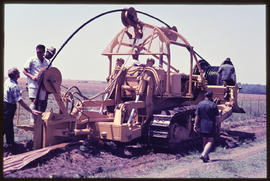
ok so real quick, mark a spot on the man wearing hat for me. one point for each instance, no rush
(12, 95)
(48, 55)
(226, 73)
(205, 123)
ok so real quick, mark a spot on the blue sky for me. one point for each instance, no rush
(215, 32)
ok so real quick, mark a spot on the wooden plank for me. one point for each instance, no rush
(37, 138)
(16, 162)
(25, 127)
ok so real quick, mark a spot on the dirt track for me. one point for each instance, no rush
(83, 159)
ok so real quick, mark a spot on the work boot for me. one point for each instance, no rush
(14, 148)
(203, 158)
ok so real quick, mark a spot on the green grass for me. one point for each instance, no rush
(247, 144)
(250, 167)
(253, 108)
(221, 150)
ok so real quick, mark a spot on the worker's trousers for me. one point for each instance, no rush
(9, 112)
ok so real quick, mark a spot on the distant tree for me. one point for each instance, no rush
(252, 88)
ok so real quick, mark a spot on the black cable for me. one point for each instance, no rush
(117, 10)
(154, 18)
(76, 31)
(108, 12)
(198, 55)
(69, 38)
(195, 53)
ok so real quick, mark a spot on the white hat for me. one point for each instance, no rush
(51, 50)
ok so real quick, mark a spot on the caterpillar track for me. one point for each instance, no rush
(174, 128)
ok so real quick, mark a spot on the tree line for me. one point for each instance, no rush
(252, 88)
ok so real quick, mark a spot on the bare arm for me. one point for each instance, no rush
(25, 106)
(195, 127)
(29, 75)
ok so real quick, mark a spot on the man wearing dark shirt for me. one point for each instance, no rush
(205, 123)
(226, 73)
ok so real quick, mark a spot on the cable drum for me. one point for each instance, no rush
(211, 75)
(204, 66)
(209, 72)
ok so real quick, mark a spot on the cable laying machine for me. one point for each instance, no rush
(153, 101)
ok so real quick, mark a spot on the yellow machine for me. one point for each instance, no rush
(146, 96)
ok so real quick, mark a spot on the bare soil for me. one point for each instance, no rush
(243, 141)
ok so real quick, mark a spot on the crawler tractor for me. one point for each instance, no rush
(146, 97)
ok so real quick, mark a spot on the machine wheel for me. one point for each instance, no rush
(177, 134)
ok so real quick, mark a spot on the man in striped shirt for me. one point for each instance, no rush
(12, 95)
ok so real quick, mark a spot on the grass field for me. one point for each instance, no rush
(254, 106)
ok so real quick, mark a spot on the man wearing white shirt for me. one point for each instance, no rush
(31, 69)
